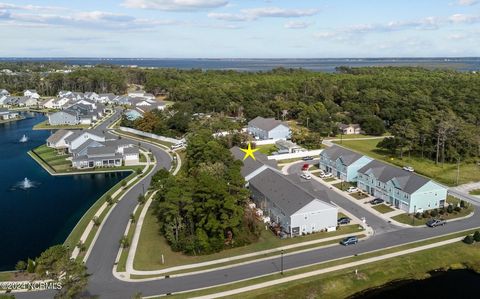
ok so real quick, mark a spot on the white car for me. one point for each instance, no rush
(352, 189)
(306, 176)
(408, 168)
(326, 175)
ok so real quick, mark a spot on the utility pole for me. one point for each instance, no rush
(281, 262)
(458, 169)
(307, 121)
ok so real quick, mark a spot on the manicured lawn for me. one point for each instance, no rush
(45, 126)
(267, 149)
(383, 208)
(408, 218)
(329, 179)
(469, 172)
(354, 136)
(151, 246)
(475, 192)
(359, 195)
(343, 185)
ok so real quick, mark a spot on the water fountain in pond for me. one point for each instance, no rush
(25, 184)
(24, 138)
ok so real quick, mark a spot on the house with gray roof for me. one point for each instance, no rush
(403, 189)
(4, 92)
(295, 209)
(342, 163)
(64, 117)
(268, 128)
(252, 167)
(350, 129)
(57, 139)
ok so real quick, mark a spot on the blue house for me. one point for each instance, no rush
(268, 128)
(403, 189)
(342, 163)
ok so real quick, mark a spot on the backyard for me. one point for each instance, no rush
(446, 174)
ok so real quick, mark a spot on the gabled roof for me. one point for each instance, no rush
(87, 144)
(102, 150)
(287, 195)
(78, 133)
(250, 165)
(407, 181)
(130, 150)
(58, 135)
(265, 124)
(335, 152)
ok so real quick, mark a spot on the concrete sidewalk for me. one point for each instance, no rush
(327, 270)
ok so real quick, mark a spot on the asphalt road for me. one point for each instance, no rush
(103, 284)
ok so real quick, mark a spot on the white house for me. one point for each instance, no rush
(268, 128)
(64, 117)
(31, 93)
(4, 92)
(350, 129)
(57, 139)
(79, 137)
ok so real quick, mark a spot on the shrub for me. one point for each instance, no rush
(81, 246)
(457, 209)
(476, 236)
(96, 221)
(450, 209)
(433, 213)
(139, 171)
(31, 266)
(124, 242)
(21, 266)
(463, 204)
(425, 214)
(468, 239)
(442, 211)
(418, 215)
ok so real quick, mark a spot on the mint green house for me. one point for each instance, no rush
(342, 163)
(403, 189)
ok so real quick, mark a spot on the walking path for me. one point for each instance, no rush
(329, 142)
(327, 270)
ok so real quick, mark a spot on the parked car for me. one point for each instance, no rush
(352, 189)
(408, 168)
(305, 167)
(349, 241)
(343, 220)
(306, 176)
(307, 158)
(376, 201)
(436, 222)
(326, 175)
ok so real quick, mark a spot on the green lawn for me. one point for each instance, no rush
(329, 179)
(359, 195)
(383, 208)
(409, 219)
(354, 136)
(469, 172)
(151, 246)
(343, 185)
(267, 149)
(474, 192)
(45, 126)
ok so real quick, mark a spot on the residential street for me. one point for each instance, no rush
(101, 260)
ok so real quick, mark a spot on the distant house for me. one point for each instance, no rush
(350, 129)
(27, 102)
(105, 156)
(31, 93)
(268, 128)
(342, 163)
(252, 167)
(57, 139)
(64, 117)
(405, 190)
(131, 156)
(296, 210)
(93, 96)
(285, 146)
(141, 94)
(132, 114)
(5, 114)
(4, 92)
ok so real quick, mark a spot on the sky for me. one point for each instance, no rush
(240, 28)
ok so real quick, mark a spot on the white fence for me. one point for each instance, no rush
(267, 141)
(151, 135)
(312, 153)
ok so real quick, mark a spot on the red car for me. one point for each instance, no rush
(305, 167)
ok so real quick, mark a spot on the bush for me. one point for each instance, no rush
(476, 236)
(21, 266)
(81, 246)
(457, 209)
(450, 209)
(139, 171)
(463, 205)
(124, 242)
(31, 266)
(468, 239)
(426, 214)
(442, 211)
(434, 213)
(418, 215)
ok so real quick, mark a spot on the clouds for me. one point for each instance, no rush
(175, 5)
(467, 2)
(252, 14)
(296, 25)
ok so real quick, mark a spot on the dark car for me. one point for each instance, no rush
(352, 240)
(307, 158)
(436, 222)
(343, 220)
(376, 201)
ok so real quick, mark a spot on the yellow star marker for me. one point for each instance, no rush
(249, 152)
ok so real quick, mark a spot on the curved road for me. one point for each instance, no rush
(100, 263)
